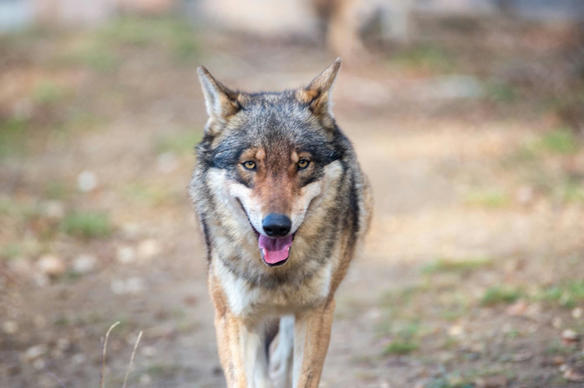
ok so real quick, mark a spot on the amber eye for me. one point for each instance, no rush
(249, 165)
(303, 163)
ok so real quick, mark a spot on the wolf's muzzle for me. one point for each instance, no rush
(276, 225)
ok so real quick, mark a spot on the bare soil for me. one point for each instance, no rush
(472, 275)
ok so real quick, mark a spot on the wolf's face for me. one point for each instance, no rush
(269, 155)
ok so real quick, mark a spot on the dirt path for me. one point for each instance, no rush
(455, 287)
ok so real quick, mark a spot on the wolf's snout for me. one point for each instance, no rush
(276, 225)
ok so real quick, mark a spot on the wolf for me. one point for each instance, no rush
(283, 206)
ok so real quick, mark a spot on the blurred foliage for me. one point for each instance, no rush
(149, 194)
(180, 143)
(400, 347)
(457, 266)
(10, 251)
(560, 141)
(12, 136)
(568, 294)
(48, 92)
(499, 91)
(87, 224)
(424, 57)
(102, 49)
(490, 198)
(500, 295)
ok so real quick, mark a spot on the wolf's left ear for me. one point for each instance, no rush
(317, 94)
(220, 101)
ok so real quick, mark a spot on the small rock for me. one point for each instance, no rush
(145, 379)
(570, 336)
(522, 356)
(149, 351)
(148, 248)
(492, 382)
(54, 209)
(577, 313)
(9, 327)
(52, 266)
(78, 359)
(40, 279)
(557, 360)
(86, 181)
(126, 254)
(131, 230)
(84, 264)
(456, 331)
(573, 375)
(63, 344)
(132, 285)
(34, 352)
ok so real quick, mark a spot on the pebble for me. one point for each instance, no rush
(126, 254)
(78, 359)
(456, 331)
(492, 382)
(570, 336)
(577, 313)
(34, 352)
(149, 351)
(84, 263)
(63, 344)
(86, 181)
(9, 327)
(40, 279)
(52, 266)
(133, 285)
(54, 209)
(148, 248)
(145, 379)
(573, 375)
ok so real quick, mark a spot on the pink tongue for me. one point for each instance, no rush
(275, 250)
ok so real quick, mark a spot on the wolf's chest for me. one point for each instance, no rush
(254, 300)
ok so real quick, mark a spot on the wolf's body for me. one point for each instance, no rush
(283, 205)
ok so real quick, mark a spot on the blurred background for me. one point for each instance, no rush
(467, 115)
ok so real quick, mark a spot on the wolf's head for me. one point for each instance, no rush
(269, 155)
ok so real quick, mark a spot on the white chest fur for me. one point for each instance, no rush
(256, 301)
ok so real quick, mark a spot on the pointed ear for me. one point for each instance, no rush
(220, 101)
(317, 94)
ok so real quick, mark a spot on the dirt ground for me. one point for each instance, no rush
(472, 275)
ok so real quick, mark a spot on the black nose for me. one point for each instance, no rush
(276, 225)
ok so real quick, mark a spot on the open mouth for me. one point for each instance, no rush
(275, 251)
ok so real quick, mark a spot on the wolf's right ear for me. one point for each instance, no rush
(220, 101)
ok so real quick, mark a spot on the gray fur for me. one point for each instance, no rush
(334, 215)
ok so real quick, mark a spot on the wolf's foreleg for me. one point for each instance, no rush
(241, 346)
(281, 359)
(312, 331)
